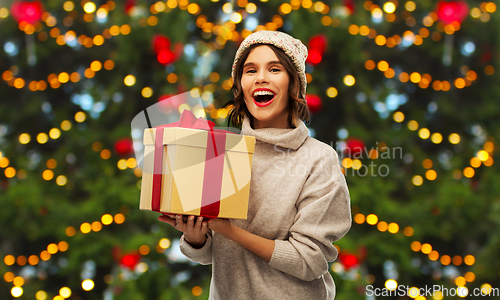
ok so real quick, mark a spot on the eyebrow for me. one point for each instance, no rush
(274, 62)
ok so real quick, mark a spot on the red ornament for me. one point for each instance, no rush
(165, 57)
(349, 4)
(348, 260)
(354, 146)
(317, 47)
(130, 260)
(124, 147)
(314, 103)
(452, 11)
(25, 11)
(318, 42)
(129, 5)
(160, 42)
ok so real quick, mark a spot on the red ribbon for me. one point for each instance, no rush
(214, 163)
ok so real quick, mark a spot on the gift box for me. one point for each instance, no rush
(191, 168)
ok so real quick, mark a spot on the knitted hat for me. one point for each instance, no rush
(292, 47)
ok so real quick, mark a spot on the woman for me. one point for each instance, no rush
(299, 203)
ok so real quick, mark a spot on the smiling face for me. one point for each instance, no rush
(265, 84)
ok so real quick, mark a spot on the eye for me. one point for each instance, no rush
(275, 70)
(250, 71)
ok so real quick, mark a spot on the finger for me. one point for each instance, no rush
(190, 222)
(180, 225)
(204, 228)
(167, 220)
(199, 222)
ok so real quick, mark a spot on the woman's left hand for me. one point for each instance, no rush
(219, 225)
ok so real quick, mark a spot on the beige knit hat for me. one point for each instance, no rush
(292, 47)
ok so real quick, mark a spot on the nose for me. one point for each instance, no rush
(262, 77)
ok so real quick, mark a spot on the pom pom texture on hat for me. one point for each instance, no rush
(292, 47)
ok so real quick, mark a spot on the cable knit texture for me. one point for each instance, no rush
(299, 199)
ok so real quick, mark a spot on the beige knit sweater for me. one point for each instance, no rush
(299, 198)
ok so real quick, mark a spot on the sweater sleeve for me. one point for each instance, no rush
(323, 216)
(202, 255)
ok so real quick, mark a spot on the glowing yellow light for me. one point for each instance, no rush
(227, 8)
(469, 172)
(102, 13)
(251, 8)
(68, 6)
(4, 162)
(353, 29)
(486, 288)
(377, 13)
(89, 7)
(347, 163)
(125, 29)
(436, 138)
(469, 260)
(349, 80)
(66, 125)
(65, 292)
(19, 83)
(119, 218)
(16, 291)
(80, 116)
(445, 260)
(42, 138)
(44, 255)
(359, 218)
(52, 248)
(391, 284)
(61, 180)
(417, 180)
(197, 291)
(356, 164)
(483, 155)
(371, 219)
(147, 92)
(131, 163)
(63, 77)
(410, 6)
(459, 83)
(408, 231)
(58, 297)
(454, 138)
(383, 65)
(85, 227)
(9, 260)
(24, 138)
(54, 133)
(164, 243)
(416, 246)
(404, 77)
(389, 7)
(393, 228)
(382, 226)
(33, 260)
(10, 172)
(144, 250)
(122, 164)
(41, 295)
(129, 80)
(424, 133)
(431, 175)
(370, 64)
(107, 219)
(48, 175)
(415, 77)
(426, 248)
(236, 17)
(96, 226)
(96, 66)
(4, 12)
(62, 246)
(475, 162)
(87, 285)
(18, 281)
(332, 92)
(434, 255)
(70, 231)
(470, 277)
(398, 117)
(413, 292)
(460, 281)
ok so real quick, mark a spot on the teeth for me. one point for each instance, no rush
(261, 93)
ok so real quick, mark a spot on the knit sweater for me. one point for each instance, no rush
(299, 199)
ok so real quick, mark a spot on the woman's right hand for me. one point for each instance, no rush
(194, 232)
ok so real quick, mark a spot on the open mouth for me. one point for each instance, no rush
(263, 98)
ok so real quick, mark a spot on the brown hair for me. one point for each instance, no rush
(297, 105)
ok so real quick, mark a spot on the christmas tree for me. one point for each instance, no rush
(404, 91)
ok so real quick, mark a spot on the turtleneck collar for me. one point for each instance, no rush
(291, 138)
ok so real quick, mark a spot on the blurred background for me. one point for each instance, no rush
(406, 92)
